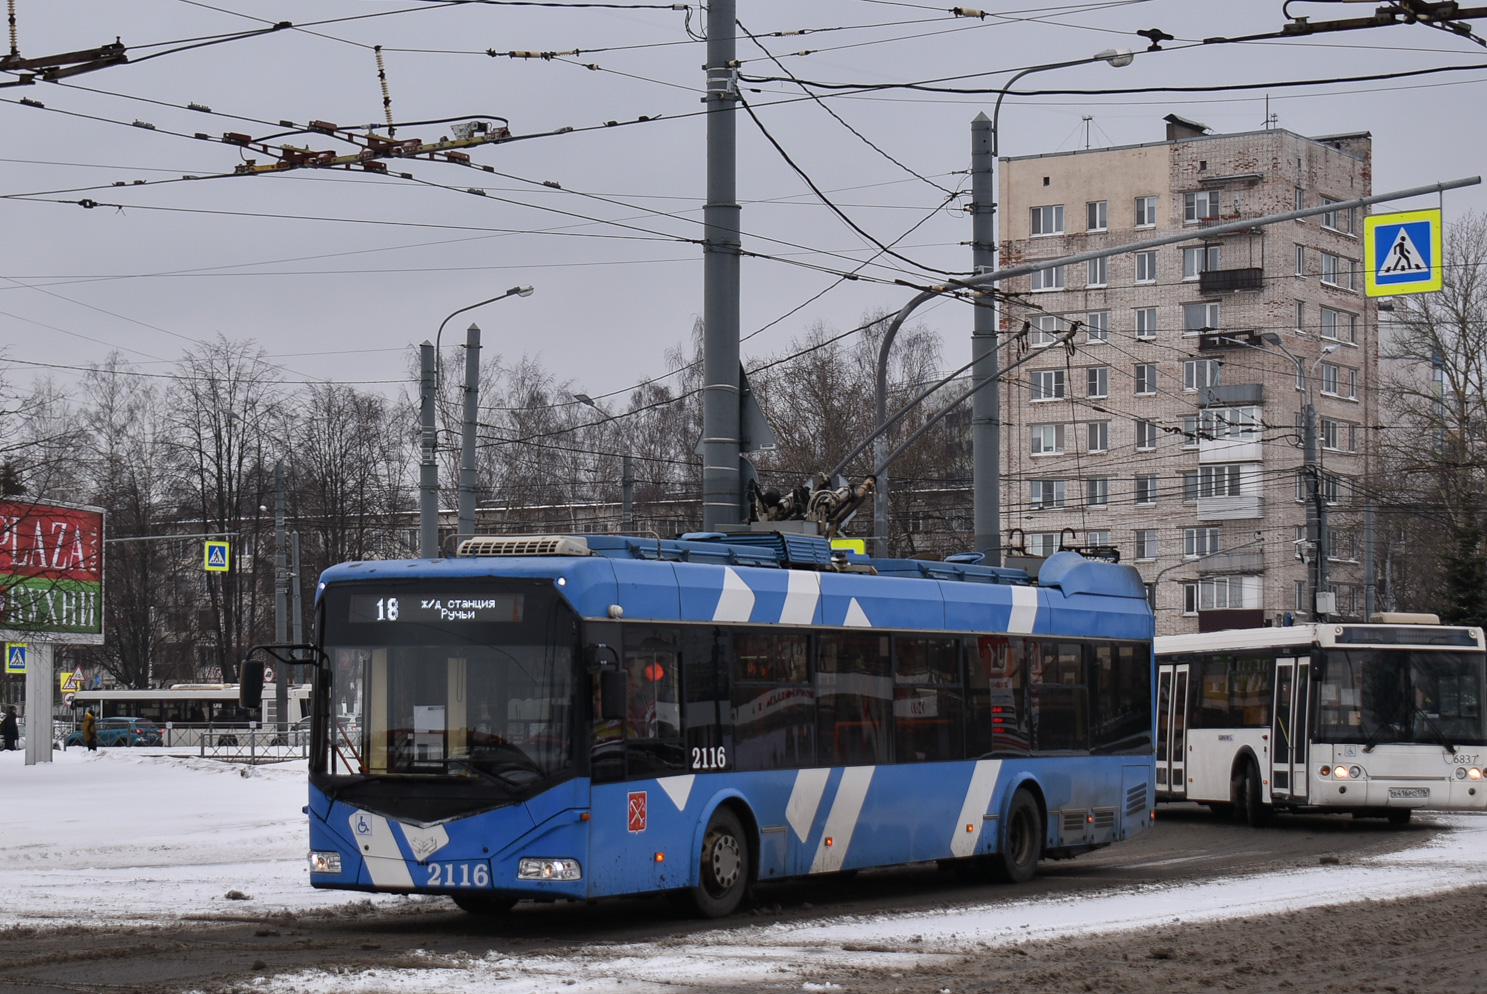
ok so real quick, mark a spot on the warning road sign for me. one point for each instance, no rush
(15, 657)
(71, 681)
(218, 555)
(1402, 252)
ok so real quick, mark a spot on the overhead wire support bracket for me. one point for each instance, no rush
(66, 64)
(373, 148)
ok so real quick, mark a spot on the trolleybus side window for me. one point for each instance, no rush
(1121, 675)
(1058, 698)
(653, 733)
(705, 651)
(995, 672)
(773, 702)
(854, 687)
(927, 700)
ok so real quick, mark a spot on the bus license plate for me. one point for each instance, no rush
(1408, 793)
(457, 874)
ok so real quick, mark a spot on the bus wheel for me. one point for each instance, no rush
(484, 905)
(1022, 841)
(1398, 816)
(1250, 806)
(723, 869)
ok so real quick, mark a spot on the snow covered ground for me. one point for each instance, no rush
(134, 835)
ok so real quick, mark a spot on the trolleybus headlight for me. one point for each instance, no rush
(548, 869)
(1341, 773)
(325, 862)
(1355, 772)
(1474, 774)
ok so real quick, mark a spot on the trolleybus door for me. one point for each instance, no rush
(1288, 733)
(1172, 727)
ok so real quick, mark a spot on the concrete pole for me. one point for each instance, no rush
(428, 472)
(1313, 498)
(281, 599)
(1370, 587)
(722, 500)
(986, 414)
(880, 450)
(467, 433)
(39, 681)
(627, 496)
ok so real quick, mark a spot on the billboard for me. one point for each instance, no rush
(51, 572)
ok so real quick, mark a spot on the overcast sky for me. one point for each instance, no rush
(335, 273)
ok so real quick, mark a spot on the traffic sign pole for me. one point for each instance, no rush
(39, 703)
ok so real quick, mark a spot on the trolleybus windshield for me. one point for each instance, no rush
(1374, 696)
(471, 678)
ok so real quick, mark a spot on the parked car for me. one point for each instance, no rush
(121, 732)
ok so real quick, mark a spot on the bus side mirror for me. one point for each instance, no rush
(613, 695)
(250, 685)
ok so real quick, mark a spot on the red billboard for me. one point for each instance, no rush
(51, 571)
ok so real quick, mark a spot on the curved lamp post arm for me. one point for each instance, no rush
(516, 291)
(1257, 540)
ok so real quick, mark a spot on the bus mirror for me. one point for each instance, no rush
(613, 695)
(599, 657)
(250, 685)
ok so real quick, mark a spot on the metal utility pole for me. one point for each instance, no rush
(1315, 513)
(986, 407)
(627, 496)
(281, 599)
(722, 499)
(428, 472)
(467, 436)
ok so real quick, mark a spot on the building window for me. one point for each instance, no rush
(1097, 539)
(1200, 206)
(1099, 271)
(1190, 431)
(1047, 493)
(1097, 381)
(1051, 278)
(1337, 271)
(1048, 384)
(1096, 215)
(1146, 488)
(1221, 480)
(1352, 385)
(1229, 422)
(1097, 491)
(1224, 593)
(1042, 544)
(1339, 381)
(1199, 260)
(1199, 373)
(1146, 378)
(1146, 212)
(1199, 317)
(1199, 542)
(1146, 543)
(1045, 330)
(1300, 260)
(1146, 434)
(1146, 267)
(1339, 436)
(1337, 325)
(1338, 220)
(1300, 202)
(1097, 326)
(1331, 488)
(1301, 316)
(1146, 322)
(1099, 436)
(1048, 220)
(1047, 439)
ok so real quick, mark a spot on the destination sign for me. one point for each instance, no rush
(435, 609)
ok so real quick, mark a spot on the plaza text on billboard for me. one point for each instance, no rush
(51, 568)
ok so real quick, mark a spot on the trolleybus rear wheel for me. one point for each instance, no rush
(485, 905)
(1022, 841)
(1248, 792)
(723, 869)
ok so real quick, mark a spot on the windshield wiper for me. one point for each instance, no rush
(1440, 735)
(1376, 734)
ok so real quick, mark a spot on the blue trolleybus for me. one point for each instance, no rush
(578, 717)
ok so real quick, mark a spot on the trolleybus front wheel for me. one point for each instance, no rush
(485, 905)
(1022, 841)
(723, 869)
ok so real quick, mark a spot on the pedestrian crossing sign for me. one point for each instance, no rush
(218, 554)
(1402, 252)
(15, 657)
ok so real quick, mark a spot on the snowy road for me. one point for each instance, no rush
(123, 839)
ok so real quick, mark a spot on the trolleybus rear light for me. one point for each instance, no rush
(548, 869)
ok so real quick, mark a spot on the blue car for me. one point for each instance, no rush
(121, 732)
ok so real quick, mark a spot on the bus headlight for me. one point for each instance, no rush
(325, 862)
(1341, 773)
(548, 869)
(1355, 772)
(1474, 774)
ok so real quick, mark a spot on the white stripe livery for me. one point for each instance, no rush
(841, 820)
(973, 808)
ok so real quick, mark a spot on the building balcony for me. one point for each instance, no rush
(1211, 340)
(1242, 449)
(1240, 508)
(1230, 280)
(1233, 562)
(1232, 395)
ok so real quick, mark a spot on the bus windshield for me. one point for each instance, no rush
(1373, 696)
(470, 679)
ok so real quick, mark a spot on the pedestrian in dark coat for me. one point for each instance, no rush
(10, 729)
(90, 731)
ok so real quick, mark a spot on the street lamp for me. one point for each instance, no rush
(1316, 505)
(1259, 538)
(985, 407)
(428, 543)
(627, 472)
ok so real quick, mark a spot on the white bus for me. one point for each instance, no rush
(190, 704)
(1369, 719)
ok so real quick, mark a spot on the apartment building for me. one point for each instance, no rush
(1169, 423)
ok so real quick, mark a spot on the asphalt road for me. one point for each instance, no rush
(227, 952)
